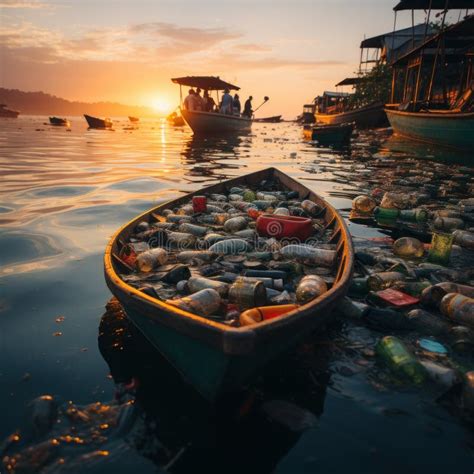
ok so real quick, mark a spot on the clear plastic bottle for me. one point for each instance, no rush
(408, 247)
(309, 288)
(151, 259)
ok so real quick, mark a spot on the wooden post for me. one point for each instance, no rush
(412, 28)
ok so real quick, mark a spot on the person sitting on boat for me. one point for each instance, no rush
(236, 105)
(199, 99)
(226, 103)
(208, 102)
(248, 107)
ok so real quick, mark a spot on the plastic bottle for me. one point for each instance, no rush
(464, 239)
(461, 339)
(281, 211)
(386, 214)
(177, 273)
(196, 284)
(275, 283)
(309, 288)
(234, 224)
(364, 204)
(414, 215)
(397, 356)
(358, 287)
(427, 323)
(257, 315)
(230, 247)
(323, 257)
(440, 250)
(408, 247)
(468, 391)
(249, 196)
(431, 297)
(149, 260)
(448, 223)
(197, 230)
(458, 308)
(311, 207)
(247, 294)
(202, 303)
(181, 239)
(199, 204)
(382, 280)
(442, 375)
(352, 309)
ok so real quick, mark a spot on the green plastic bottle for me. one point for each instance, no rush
(396, 355)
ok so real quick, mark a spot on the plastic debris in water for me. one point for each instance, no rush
(432, 346)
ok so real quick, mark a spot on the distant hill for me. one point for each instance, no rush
(39, 103)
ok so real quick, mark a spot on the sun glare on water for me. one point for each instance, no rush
(161, 105)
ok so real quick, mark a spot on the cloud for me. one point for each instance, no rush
(22, 4)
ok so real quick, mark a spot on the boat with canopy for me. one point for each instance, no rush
(209, 123)
(432, 97)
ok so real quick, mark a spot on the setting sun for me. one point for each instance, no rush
(161, 105)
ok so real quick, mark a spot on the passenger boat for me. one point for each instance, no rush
(59, 122)
(329, 134)
(433, 88)
(211, 356)
(95, 122)
(274, 119)
(133, 119)
(211, 123)
(7, 113)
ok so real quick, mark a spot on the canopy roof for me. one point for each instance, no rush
(205, 82)
(336, 94)
(398, 37)
(458, 39)
(435, 4)
(349, 81)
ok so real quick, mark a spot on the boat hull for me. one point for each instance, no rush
(6, 113)
(59, 122)
(212, 357)
(95, 122)
(274, 119)
(454, 130)
(371, 116)
(209, 123)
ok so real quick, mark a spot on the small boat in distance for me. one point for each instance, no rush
(213, 357)
(329, 134)
(59, 122)
(274, 119)
(133, 119)
(211, 123)
(95, 122)
(174, 119)
(7, 113)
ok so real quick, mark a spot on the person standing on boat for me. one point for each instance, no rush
(236, 105)
(248, 108)
(226, 103)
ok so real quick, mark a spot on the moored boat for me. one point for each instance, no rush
(433, 88)
(369, 116)
(329, 134)
(274, 119)
(211, 122)
(133, 119)
(7, 113)
(59, 122)
(214, 357)
(95, 122)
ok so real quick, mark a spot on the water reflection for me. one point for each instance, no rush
(209, 157)
(249, 431)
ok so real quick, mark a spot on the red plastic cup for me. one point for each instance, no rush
(271, 225)
(199, 204)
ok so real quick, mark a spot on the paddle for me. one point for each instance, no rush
(265, 100)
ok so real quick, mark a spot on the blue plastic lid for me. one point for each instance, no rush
(432, 346)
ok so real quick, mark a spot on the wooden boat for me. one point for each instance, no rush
(7, 113)
(133, 119)
(369, 116)
(95, 122)
(59, 122)
(211, 123)
(328, 134)
(274, 119)
(451, 129)
(213, 357)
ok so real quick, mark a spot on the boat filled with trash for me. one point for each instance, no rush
(240, 269)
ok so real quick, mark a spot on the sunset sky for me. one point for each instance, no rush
(126, 51)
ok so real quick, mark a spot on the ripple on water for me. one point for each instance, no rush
(59, 191)
(139, 185)
(19, 246)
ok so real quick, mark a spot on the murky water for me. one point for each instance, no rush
(63, 193)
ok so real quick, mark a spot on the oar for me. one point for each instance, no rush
(265, 99)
